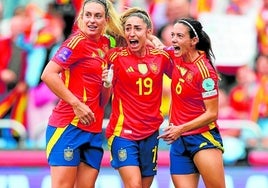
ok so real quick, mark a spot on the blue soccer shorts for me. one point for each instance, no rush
(70, 145)
(184, 148)
(142, 153)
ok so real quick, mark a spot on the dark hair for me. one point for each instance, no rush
(196, 30)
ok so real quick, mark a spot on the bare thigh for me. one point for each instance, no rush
(86, 176)
(131, 176)
(63, 176)
(185, 181)
(210, 165)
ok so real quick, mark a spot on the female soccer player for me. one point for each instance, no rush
(196, 144)
(74, 74)
(137, 90)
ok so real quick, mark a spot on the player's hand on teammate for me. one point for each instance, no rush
(155, 42)
(171, 133)
(107, 77)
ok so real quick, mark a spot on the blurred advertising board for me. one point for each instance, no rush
(34, 173)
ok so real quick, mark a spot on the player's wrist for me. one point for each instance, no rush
(107, 84)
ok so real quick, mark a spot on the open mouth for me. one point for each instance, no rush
(177, 48)
(92, 27)
(133, 43)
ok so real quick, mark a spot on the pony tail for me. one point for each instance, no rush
(114, 27)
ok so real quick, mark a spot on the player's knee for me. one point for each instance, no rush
(133, 184)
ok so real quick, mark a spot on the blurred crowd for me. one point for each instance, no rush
(30, 34)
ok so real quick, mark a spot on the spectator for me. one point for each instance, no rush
(242, 7)
(16, 97)
(259, 111)
(176, 9)
(201, 6)
(225, 110)
(242, 93)
(262, 28)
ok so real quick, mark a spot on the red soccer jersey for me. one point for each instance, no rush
(82, 61)
(192, 83)
(137, 93)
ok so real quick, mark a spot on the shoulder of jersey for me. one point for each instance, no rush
(75, 40)
(202, 67)
(155, 51)
(118, 52)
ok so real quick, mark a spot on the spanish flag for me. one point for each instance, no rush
(16, 104)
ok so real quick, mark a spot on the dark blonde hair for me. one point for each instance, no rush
(138, 12)
(114, 26)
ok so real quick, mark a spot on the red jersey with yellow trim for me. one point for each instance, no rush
(137, 92)
(192, 83)
(83, 62)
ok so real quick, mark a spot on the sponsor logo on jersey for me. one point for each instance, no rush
(203, 144)
(130, 69)
(182, 70)
(209, 93)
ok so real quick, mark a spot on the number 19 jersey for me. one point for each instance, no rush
(137, 92)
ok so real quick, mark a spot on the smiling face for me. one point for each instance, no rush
(94, 20)
(136, 32)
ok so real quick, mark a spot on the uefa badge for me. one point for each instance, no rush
(208, 84)
(122, 154)
(68, 154)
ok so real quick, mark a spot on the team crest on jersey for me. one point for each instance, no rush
(208, 84)
(64, 54)
(142, 68)
(154, 68)
(189, 76)
(122, 154)
(68, 154)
